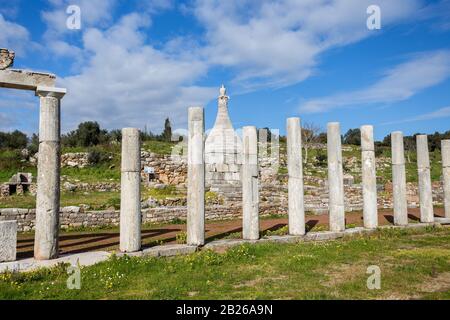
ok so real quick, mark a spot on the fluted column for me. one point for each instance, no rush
(399, 179)
(369, 178)
(196, 178)
(130, 195)
(295, 183)
(250, 194)
(335, 178)
(423, 167)
(48, 176)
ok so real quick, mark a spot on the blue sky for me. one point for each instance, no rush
(133, 63)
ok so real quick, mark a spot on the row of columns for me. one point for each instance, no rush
(48, 180)
(196, 208)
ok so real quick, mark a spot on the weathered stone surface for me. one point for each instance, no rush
(399, 179)
(445, 150)
(425, 191)
(369, 178)
(295, 183)
(250, 194)
(6, 58)
(196, 178)
(8, 240)
(223, 152)
(169, 250)
(130, 195)
(48, 179)
(335, 178)
(25, 80)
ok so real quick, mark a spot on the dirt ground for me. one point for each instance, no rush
(76, 242)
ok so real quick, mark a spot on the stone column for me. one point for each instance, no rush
(445, 150)
(425, 192)
(48, 176)
(369, 178)
(130, 191)
(399, 179)
(295, 182)
(335, 178)
(196, 178)
(250, 194)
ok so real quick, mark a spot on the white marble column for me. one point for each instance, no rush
(335, 178)
(295, 183)
(250, 194)
(369, 178)
(196, 178)
(48, 176)
(445, 150)
(423, 167)
(130, 195)
(399, 179)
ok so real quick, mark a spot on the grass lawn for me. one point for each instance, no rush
(95, 200)
(414, 265)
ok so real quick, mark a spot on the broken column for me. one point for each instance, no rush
(399, 179)
(423, 167)
(196, 178)
(335, 178)
(130, 191)
(295, 183)
(250, 194)
(369, 178)
(8, 241)
(445, 150)
(48, 176)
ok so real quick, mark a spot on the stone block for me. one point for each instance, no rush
(8, 240)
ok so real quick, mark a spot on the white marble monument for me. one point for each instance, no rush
(223, 153)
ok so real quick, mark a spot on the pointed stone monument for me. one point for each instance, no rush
(223, 154)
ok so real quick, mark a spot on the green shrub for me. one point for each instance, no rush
(96, 156)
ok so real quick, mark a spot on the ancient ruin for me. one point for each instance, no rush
(48, 179)
(223, 153)
(6, 58)
(223, 163)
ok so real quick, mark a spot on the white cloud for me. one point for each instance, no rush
(398, 84)
(121, 80)
(128, 83)
(14, 36)
(279, 43)
(437, 114)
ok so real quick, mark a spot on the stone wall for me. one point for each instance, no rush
(74, 217)
(273, 197)
(167, 170)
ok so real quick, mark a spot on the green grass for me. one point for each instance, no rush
(95, 200)
(11, 163)
(158, 147)
(94, 174)
(414, 265)
(166, 192)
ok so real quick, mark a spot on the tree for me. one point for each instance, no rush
(33, 146)
(353, 137)
(167, 133)
(115, 135)
(88, 134)
(310, 133)
(13, 140)
(410, 146)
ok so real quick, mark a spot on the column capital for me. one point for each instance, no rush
(54, 92)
